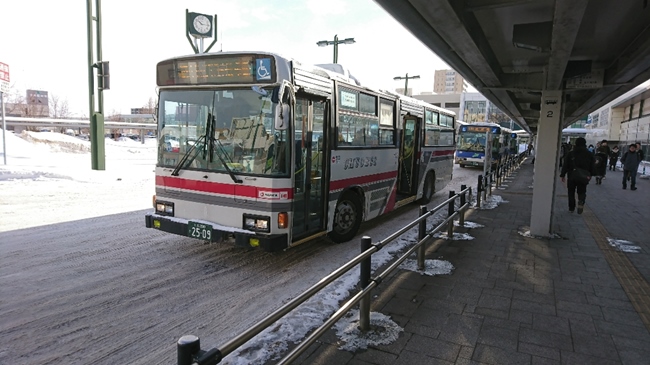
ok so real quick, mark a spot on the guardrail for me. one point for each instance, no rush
(189, 348)
(504, 169)
(74, 123)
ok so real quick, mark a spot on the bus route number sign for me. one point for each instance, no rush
(201, 231)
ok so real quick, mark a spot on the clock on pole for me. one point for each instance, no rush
(198, 27)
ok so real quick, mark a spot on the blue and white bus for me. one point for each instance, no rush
(470, 147)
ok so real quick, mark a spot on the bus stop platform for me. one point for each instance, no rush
(515, 299)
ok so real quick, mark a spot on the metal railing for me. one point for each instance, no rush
(505, 168)
(189, 349)
(74, 123)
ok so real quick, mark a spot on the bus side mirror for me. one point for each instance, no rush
(281, 117)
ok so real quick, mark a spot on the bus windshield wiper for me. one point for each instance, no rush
(186, 156)
(220, 153)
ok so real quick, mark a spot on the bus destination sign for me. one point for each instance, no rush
(217, 70)
(477, 129)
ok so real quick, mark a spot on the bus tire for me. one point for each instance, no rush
(347, 217)
(429, 188)
(461, 165)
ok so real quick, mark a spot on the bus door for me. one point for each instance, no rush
(309, 174)
(408, 156)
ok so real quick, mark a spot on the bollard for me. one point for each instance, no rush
(186, 348)
(499, 167)
(461, 219)
(450, 212)
(364, 280)
(422, 232)
(478, 191)
(490, 184)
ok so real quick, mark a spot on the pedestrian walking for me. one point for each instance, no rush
(630, 160)
(562, 153)
(605, 150)
(640, 152)
(579, 165)
(614, 154)
(590, 148)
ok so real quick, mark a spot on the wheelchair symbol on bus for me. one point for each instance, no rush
(263, 69)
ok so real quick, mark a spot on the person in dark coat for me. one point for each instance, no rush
(613, 157)
(600, 161)
(630, 160)
(581, 158)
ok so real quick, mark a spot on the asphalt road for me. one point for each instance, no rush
(107, 290)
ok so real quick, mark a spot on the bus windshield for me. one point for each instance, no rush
(234, 127)
(471, 141)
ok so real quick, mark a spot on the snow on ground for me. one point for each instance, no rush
(623, 245)
(48, 179)
(468, 224)
(383, 331)
(431, 267)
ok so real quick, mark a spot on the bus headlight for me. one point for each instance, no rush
(257, 223)
(164, 208)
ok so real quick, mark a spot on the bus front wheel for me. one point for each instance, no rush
(347, 218)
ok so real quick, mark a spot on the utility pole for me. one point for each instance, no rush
(335, 43)
(97, 144)
(406, 83)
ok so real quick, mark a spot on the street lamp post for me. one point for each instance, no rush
(335, 43)
(406, 83)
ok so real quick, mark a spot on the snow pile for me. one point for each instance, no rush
(455, 237)
(491, 202)
(526, 233)
(383, 331)
(431, 267)
(623, 245)
(468, 224)
(57, 142)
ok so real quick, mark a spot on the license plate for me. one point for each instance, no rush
(199, 230)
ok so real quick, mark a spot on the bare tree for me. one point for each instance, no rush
(59, 108)
(150, 106)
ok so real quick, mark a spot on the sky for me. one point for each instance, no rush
(45, 43)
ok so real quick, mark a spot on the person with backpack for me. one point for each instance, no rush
(579, 165)
(630, 160)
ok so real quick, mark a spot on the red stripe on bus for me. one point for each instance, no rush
(219, 188)
(360, 180)
(443, 153)
(391, 200)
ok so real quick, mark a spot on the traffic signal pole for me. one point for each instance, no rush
(97, 143)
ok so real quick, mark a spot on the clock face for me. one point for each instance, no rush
(202, 24)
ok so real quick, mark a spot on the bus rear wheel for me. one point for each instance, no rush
(429, 188)
(347, 218)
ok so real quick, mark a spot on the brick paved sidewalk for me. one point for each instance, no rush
(514, 299)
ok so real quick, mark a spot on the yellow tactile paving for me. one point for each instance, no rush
(635, 286)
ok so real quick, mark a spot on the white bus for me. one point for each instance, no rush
(269, 152)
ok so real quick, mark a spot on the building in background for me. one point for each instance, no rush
(476, 108)
(448, 82)
(624, 121)
(446, 101)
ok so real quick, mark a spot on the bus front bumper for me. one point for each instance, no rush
(215, 233)
(469, 161)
